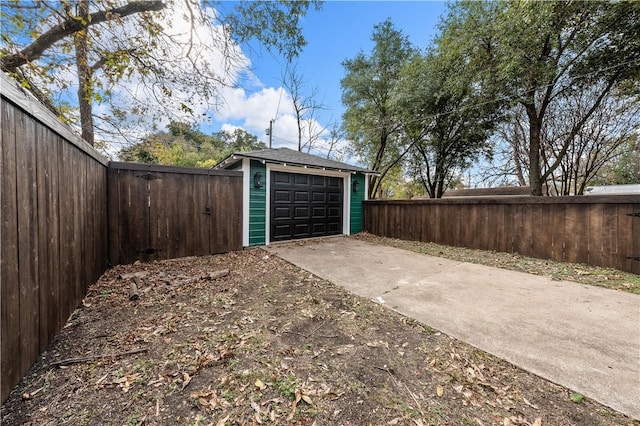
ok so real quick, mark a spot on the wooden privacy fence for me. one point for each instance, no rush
(53, 228)
(160, 212)
(596, 230)
(67, 213)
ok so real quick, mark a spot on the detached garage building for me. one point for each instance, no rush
(291, 195)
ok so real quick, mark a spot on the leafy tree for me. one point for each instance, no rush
(371, 115)
(239, 141)
(114, 46)
(443, 119)
(184, 145)
(532, 53)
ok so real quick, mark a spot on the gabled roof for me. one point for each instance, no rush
(293, 158)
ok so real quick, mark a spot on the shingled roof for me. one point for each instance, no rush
(293, 158)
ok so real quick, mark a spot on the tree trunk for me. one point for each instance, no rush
(535, 177)
(85, 85)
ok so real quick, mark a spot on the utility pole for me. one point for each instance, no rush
(270, 132)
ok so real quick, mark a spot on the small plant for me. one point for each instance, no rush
(576, 397)
(287, 386)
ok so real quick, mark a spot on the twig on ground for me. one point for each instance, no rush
(411, 394)
(82, 359)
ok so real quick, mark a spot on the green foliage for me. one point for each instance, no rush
(371, 115)
(132, 48)
(444, 119)
(530, 53)
(184, 145)
(287, 386)
(576, 397)
(273, 23)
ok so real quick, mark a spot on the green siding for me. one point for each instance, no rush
(356, 204)
(257, 206)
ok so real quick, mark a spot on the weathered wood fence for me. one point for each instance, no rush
(160, 212)
(67, 213)
(596, 230)
(53, 228)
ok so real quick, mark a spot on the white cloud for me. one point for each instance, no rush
(158, 103)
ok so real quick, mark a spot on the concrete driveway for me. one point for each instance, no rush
(582, 337)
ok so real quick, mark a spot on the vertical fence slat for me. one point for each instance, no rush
(624, 243)
(27, 240)
(635, 237)
(596, 234)
(558, 236)
(10, 292)
(577, 241)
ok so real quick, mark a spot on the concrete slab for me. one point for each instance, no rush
(582, 337)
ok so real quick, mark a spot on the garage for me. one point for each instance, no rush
(305, 206)
(291, 195)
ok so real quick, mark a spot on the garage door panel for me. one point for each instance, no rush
(334, 212)
(334, 227)
(300, 179)
(301, 213)
(282, 196)
(305, 206)
(334, 182)
(333, 197)
(284, 178)
(319, 229)
(319, 212)
(282, 212)
(319, 197)
(280, 231)
(301, 196)
(301, 230)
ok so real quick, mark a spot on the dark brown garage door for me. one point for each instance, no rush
(304, 206)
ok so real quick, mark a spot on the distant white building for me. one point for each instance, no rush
(632, 189)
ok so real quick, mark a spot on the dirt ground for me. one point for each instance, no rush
(270, 344)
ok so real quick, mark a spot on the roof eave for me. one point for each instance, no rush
(238, 155)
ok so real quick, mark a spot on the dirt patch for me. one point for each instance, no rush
(576, 272)
(269, 344)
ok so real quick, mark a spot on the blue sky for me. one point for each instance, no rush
(339, 31)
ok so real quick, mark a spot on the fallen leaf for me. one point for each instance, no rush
(439, 390)
(186, 379)
(344, 349)
(526, 401)
(260, 385)
(223, 422)
(306, 399)
(576, 397)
